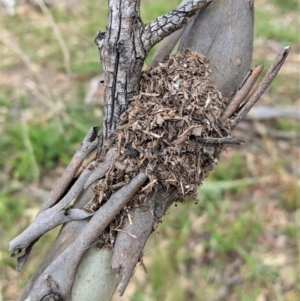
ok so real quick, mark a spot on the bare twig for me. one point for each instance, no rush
(122, 72)
(266, 81)
(73, 254)
(88, 144)
(92, 158)
(168, 43)
(223, 140)
(48, 219)
(242, 92)
(166, 24)
(128, 250)
(60, 213)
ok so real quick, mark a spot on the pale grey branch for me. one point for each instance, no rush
(166, 24)
(48, 219)
(168, 43)
(64, 277)
(88, 145)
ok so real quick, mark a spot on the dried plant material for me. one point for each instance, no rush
(171, 131)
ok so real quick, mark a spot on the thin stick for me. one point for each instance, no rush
(48, 219)
(261, 88)
(242, 92)
(168, 43)
(84, 165)
(87, 146)
(224, 140)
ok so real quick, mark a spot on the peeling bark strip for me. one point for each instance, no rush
(124, 47)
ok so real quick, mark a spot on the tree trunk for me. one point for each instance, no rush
(224, 32)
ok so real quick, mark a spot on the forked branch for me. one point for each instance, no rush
(242, 92)
(62, 278)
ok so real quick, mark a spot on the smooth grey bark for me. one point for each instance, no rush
(223, 32)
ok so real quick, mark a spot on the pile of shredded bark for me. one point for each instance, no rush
(166, 131)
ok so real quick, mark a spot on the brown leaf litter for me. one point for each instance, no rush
(171, 131)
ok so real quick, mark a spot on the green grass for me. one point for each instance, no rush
(249, 200)
(288, 5)
(268, 26)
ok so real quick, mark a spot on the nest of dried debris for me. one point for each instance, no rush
(167, 131)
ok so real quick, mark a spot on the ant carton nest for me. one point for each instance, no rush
(171, 131)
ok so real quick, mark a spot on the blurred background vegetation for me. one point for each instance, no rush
(238, 242)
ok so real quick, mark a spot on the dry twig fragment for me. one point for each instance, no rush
(261, 88)
(242, 92)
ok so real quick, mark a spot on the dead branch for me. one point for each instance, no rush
(48, 219)
(123, 50)
(88, 145)
(242, 92)
(168, 43)
(266, 81)
(166, 24)
(64, 277)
